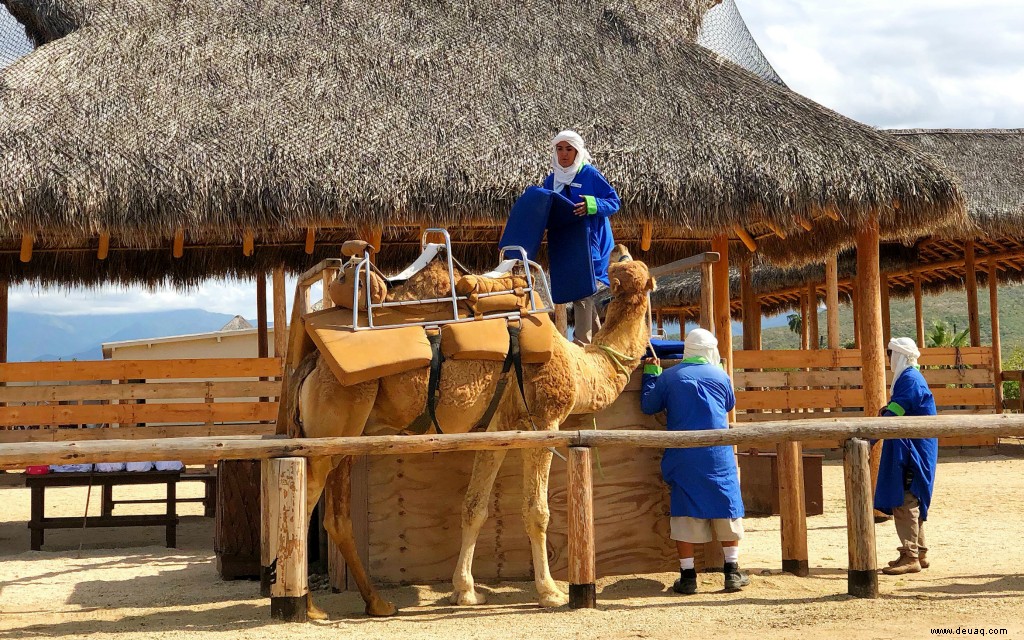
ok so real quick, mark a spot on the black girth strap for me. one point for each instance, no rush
(513, 359)
(422, 423)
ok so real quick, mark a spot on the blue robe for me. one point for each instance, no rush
(602, 201)
(704, 481)
(908, 458)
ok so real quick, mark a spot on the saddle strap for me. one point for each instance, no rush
(513, 359)
(423, 422)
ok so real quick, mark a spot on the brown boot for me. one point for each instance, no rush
(906, 564)
(922, 559)
(903, 554)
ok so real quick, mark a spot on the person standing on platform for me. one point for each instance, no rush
(906, 472)
(573, 176)
(698, 395)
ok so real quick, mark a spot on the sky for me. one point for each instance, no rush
(890, 64)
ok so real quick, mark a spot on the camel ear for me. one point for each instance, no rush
(651, 285)
(616, 285)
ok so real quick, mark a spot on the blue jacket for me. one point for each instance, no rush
(602, 202)
(697, 396)
(906, 460)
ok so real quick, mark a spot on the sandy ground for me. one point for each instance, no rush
(125, 584)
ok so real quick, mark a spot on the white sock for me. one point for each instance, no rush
(732, 554)
(685, 563)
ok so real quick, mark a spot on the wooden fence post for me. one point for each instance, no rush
(283, 529)
(862, 576)
(792, 508)
(582, 573)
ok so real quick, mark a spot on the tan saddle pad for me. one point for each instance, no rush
(488, 339)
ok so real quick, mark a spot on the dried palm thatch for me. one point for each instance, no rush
(221, 117)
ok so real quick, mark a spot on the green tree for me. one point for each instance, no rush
(796, 323)
(1014, 362)
(940, 335)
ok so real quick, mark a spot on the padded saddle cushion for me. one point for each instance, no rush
(359, 356)
(342, 289)
(488, 339)
(472, 286)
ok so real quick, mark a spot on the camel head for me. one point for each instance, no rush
(630, 279)
(619, 254)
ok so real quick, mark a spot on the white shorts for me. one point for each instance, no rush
(699, 530)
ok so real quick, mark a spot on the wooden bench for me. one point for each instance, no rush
(105, 481)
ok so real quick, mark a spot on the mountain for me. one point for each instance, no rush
(40, 336)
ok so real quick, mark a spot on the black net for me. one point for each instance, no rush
(13, 43)
(724, 32)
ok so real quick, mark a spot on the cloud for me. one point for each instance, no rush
(913, 63)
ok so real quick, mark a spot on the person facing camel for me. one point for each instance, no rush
(705, 488)
(573, 176)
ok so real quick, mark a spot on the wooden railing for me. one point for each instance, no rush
(129, 399)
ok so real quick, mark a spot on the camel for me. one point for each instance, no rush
(574, 381)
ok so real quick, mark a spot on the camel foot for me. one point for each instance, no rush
(468, 598)
(380, 608)
(553, 598)
(314, 612)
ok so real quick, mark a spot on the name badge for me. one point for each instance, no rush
(575, 185)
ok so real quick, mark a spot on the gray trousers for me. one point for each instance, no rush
(910, 526)
(586, 321)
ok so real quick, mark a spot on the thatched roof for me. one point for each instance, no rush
(988, 163)
(218, 116)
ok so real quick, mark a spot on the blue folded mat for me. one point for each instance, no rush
(570, 264)
(667, 349)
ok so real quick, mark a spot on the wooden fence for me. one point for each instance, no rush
(128, 399)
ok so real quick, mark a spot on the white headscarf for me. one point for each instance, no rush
(701, 343)
(565, 175)
(904, 355)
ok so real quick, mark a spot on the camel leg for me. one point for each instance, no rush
(536, 469)
(474, 513)
(316, 478)
(339, 526)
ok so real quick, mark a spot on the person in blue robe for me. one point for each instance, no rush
(906, 473)
(704, 483)
(573, 176)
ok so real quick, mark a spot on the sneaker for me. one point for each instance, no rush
(687, 582)
(734, 578)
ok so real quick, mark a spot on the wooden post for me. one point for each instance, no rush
(812, 316)
(832, 301)
(326, 279)
(751, 308)
(722, 315)
(4, 315)
(855, 301)
(805, 336)
(103, 250)
(262, 346)
(871, 342)
(792, 507)
(280, 313)
(918, 311)
(682, 326)
(562, 320)
(236, 536)
(883, 289)
(997, 356)
(972, 295)
(283, 536)
(862, 576)
(707, 297)
(582, 573)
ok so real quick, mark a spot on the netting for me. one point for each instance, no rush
(13, 43)
(724, 32)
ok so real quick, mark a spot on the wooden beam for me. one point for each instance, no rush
(832, 300)
(792, 508)
(646, 236)
(280, 313)
(26, 247)
(776, 230)
(262, 346)
(310, 240)
(582, 572)
(971, 279)
(883, 289)
(693, 262)
(831, 211)
(707, 297)
(104, 248)
(871, 338)
(745, 238)
(812, 316)
(997, 356)
(248, 243)
(805, 336)
(803, 222)
(723, 317)
(4, 320)
(751, 308)
(284, 526)
(178, 249)
(918, 311)
(862, 575)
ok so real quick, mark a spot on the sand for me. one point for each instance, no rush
(124, 583)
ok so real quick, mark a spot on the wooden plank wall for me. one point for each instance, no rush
(797, 384)
(53, 401)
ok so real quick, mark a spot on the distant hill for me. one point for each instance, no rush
(950, 307)
(39, 336)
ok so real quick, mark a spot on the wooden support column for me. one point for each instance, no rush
(862, 576)
(283, 529)
(4, 315)
(751, 308)
(918, 311)
(805, 336)
(872, 344)
(832, 301)
(262, 345)
(883, 289)
(972, 295)
(682, 326)
(722, 315)
(997, 356)
(812, 316)
(280, 313)
(582, 571)
(792, 507)
(562, 320)
(707, 297)
(855, 301)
